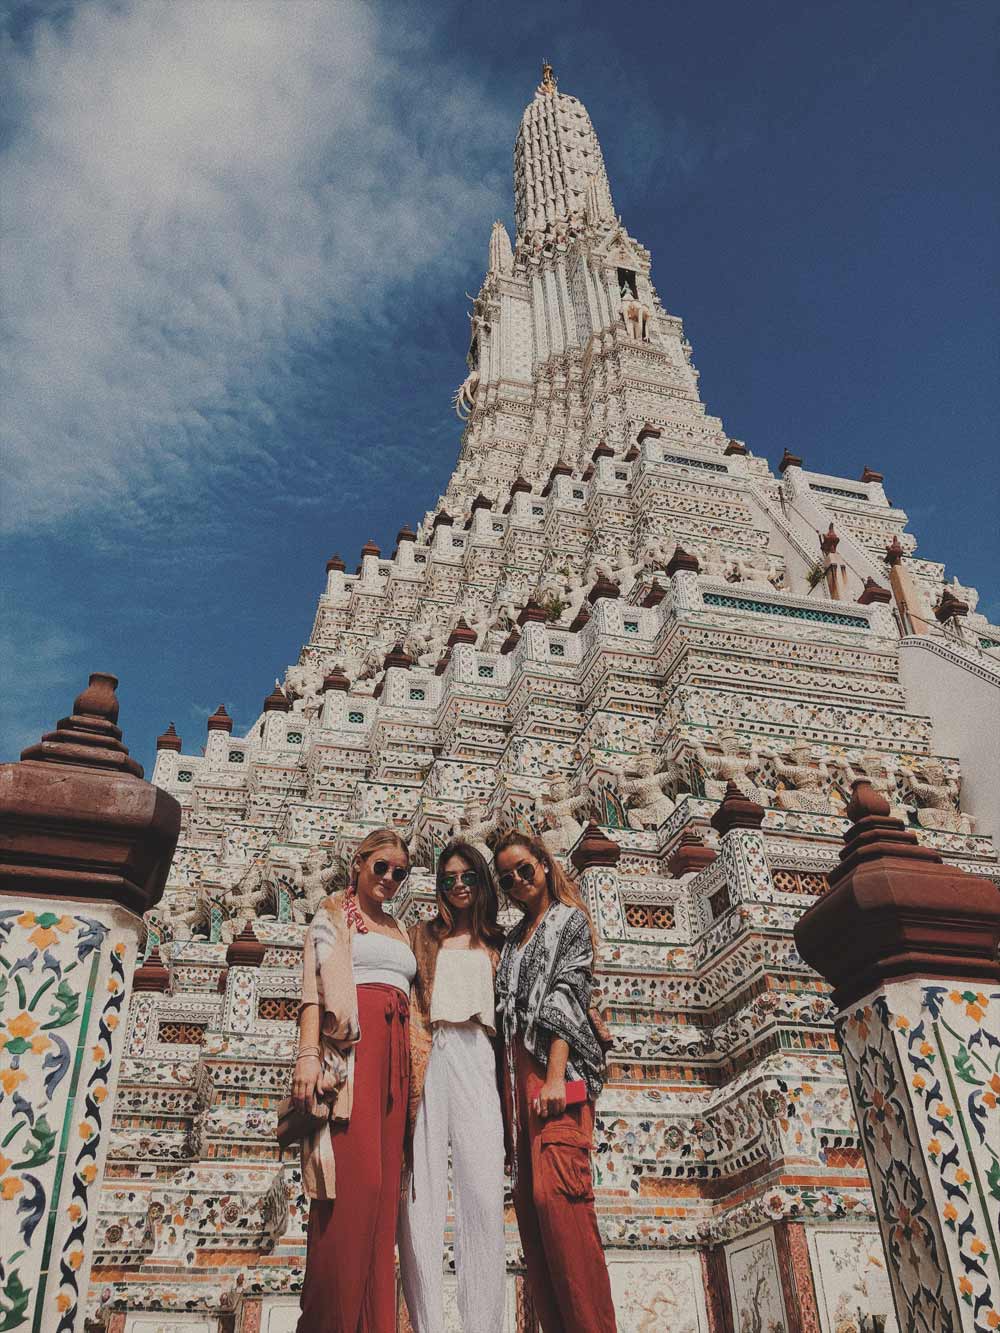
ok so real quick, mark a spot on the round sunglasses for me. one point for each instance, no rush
(398, 873)
(524, 872)
(470, 878)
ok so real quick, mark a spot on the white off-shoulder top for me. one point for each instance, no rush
(383, 961)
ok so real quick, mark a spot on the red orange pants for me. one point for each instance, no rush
(554, 1202)
(350, 1282)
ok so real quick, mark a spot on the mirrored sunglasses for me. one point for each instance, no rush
(470, 878)
(398, 873)
(525, 871)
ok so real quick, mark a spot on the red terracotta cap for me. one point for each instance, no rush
(788, 459)
(519, 484)
(588, 472)
(895, 910)
(169, 740)
(370, 548)
(442, 519)
(151, 975)
(511, 641)
(397, 657)
(735, 447)
(560, 469)
(89, 735)
(246, 950)
(682, 560)
(220, 720)
(603, 587)
(595, 848)
(736, 811)
(649, 432)
(874, 592)
(690, 854)
(335, 680)
(462, 633)
(531, 611)
(442, 663)
(950, 607)
(603, 450)
(405, 534)
(481, 502)
(894, 552)
(870, 475)
(632, 454)
(655, 595)
(829, 541)
(335, 562)
(277, 701)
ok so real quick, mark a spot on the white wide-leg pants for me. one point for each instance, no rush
(461, 1103)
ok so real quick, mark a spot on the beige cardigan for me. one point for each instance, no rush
(328, 980)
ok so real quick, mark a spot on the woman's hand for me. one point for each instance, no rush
(551, 1099)
(305, 1077)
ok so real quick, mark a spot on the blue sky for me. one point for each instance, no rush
(238, 238)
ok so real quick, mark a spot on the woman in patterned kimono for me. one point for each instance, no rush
(554, 1072)
(454, 1098)
(352, 1074)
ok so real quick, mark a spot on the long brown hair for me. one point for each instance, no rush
(560, 885)
(379, 837)
(486, 930)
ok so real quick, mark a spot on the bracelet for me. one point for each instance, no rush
(309, 1052)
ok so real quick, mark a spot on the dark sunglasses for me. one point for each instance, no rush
(470, 878)
(525, 871)
(399, 873)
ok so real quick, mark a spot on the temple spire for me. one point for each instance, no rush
(559, 173)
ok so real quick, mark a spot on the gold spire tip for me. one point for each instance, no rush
(548, 84)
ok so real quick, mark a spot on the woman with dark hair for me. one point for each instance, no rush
(454, 1096)
(554, 1072)
(352, 1076)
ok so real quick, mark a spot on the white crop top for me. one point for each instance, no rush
(463, 988)
(383, 961)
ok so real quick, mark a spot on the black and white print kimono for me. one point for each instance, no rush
(549, 995)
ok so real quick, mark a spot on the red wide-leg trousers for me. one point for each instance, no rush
(554, 1203)
(350, 1281)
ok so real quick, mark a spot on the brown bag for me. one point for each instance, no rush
(294, 1126)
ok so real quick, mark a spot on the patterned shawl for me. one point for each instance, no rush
(328, 980)
(553, 992)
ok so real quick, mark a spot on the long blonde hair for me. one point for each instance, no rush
(379, 837)
(560, 885)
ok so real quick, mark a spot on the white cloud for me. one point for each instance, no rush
(189, 189)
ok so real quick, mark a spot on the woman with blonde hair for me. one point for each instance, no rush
(352, 1076)
(554, 1071)
(454, 1097)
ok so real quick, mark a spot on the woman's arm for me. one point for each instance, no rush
(308, 1064)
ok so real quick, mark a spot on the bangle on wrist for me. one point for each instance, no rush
(308, 1052)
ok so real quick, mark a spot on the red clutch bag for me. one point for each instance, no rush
(576, 1090)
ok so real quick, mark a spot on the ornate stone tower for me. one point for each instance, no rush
(618, 614)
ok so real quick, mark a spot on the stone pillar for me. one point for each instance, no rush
(910, 947)
(85, 846)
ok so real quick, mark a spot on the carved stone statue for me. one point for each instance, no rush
(809, 780)
(635, 315)
(556, 810)
(755, 570)
(304, 686)
(713, 563)
(473, 825)
(247, 898)
(937, 799)
(464, 398)
(425, 642)
(735, 763)
(646, 787)
(315, 878)
(656, 552)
